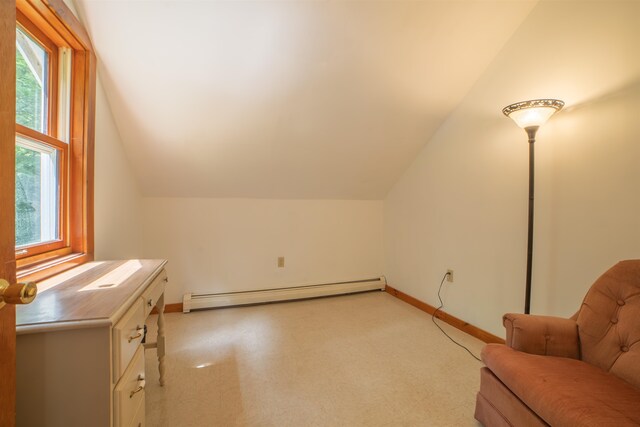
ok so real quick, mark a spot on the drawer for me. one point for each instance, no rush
(127, 335)
(128, 395)
(153, 292)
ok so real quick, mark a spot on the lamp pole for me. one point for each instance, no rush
(531, 133)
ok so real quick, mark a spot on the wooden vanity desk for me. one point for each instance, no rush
(80, 356)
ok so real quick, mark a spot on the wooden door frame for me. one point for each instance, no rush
(7, 201)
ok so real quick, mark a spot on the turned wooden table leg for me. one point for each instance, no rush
(160, 306)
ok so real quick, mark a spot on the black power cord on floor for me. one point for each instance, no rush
(433, 319)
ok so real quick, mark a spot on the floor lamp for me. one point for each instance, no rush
(530, 115)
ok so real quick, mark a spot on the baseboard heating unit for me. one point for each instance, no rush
(193, 301)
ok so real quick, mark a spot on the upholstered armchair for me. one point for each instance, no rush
(582, 371)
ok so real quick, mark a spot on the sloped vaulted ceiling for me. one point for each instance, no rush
(287, 99)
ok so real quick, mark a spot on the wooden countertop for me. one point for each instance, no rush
(92, 294)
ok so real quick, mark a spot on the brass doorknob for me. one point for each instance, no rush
(20, 293)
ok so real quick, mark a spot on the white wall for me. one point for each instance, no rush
(117, 205)
(223, 245)
(463, 203)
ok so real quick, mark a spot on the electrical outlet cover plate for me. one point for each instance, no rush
(449, 275)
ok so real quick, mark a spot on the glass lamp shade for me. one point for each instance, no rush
(532, 113)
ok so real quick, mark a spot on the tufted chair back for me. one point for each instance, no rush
(609, 322)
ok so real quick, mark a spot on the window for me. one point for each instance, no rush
(38, 200)
(40, 154)
(32, 80)
(55, 107)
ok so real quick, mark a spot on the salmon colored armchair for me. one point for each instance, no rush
(582, 371)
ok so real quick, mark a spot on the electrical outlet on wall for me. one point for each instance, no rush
(449, 275)
(281, 262)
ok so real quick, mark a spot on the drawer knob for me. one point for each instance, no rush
(136, 336)
(141, 384)
(150, 302)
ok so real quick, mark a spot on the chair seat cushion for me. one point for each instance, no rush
(563, 391)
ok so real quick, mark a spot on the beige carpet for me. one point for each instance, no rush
(359, 360)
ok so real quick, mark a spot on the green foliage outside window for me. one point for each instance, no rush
(28, 95)
(28, 113)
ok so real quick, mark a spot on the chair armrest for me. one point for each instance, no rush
(543, 335)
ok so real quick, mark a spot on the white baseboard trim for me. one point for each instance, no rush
(193, 301)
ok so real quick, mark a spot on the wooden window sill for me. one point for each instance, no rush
(41, 270)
